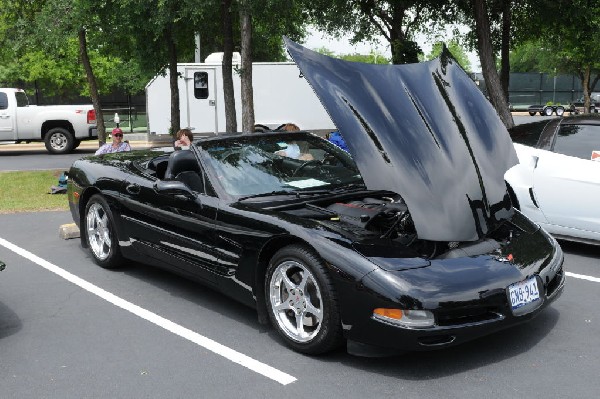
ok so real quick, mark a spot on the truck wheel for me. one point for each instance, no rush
(59, 141)
(548, 111)
(76, 143)
(531, 113)
(560, 111)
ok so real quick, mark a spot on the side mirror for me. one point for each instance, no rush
(173, 187)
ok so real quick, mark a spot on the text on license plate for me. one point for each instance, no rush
(523, 292)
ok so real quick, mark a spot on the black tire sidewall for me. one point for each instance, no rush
(114, 258)
(329, 336)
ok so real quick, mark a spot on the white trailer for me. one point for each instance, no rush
(281, 95)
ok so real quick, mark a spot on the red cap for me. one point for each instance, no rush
(117, 130)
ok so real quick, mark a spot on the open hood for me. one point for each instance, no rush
(424, 131)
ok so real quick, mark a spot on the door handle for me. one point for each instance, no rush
(133, 189)
(4, 116)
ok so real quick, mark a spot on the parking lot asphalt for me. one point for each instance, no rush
(59, 339)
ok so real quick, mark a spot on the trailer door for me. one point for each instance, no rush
(200, 112)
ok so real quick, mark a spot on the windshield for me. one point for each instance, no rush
(278, 163)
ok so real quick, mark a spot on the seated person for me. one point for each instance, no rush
(294, 149)
(337, 139)
(117, 145)
(183, 138)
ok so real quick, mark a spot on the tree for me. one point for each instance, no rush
(457, 51)
(488, 66)
(533, 56)
(69, 19)
(228, 94)
(246, 67)
(397, 21)
(564, 28)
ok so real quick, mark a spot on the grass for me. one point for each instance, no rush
(29, 191)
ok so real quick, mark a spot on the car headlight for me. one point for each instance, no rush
(407, 318)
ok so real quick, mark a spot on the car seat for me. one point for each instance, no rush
(181, 161)
(183, 166)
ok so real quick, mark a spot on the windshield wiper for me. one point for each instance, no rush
(272, 193)
(337, 190)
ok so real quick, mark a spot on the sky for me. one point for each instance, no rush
(316, 40)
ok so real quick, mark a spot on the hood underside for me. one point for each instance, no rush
(424, 131)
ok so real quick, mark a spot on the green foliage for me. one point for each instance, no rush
(560, 36)
(455, 48)
(126, 39)
(397, 21)
(373, 58)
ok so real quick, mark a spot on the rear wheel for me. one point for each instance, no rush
(560, 111)
(59, 140)
(100, 233)
(531, 113)
(301, 301)
(548, 111)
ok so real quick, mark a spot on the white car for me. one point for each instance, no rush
(557, 180)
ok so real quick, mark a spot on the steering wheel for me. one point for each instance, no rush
(304, 164)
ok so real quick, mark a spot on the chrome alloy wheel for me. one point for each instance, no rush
(296, 301)
(98, 231)
(58, 141)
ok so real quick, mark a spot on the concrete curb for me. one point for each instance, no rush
(68, 231)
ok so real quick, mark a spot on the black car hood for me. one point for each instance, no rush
(424, 131)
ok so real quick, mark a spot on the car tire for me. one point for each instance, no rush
(59, 140)
(547, 111)
(100, 233)
(560, 111)
(531, 113)
(301, 301)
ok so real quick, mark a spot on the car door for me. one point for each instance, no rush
(172, 227)
(7, 120)
(567, 180)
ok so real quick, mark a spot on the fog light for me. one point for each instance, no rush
(405, 317)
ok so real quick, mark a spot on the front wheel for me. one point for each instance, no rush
(59, 140)
(531, 113)
(548, 111)
(100, 233)
(301, 301)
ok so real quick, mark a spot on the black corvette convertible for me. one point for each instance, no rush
(408, 243)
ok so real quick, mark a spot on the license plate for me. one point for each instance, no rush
(523, 292)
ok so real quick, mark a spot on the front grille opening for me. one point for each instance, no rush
(435, 340)
(555, 282)
(468, 316)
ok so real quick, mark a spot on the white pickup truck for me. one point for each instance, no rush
(60, 127)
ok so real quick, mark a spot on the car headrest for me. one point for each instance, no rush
(180, 161)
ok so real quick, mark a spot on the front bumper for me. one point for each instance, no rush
(459, 317)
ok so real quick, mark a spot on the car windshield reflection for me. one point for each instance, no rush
(279, 164)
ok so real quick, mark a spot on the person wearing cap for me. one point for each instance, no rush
(117, 145)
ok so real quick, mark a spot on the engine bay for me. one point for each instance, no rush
(387, 217)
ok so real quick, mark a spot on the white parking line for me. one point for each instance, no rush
(583, 277)
(207, 343)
